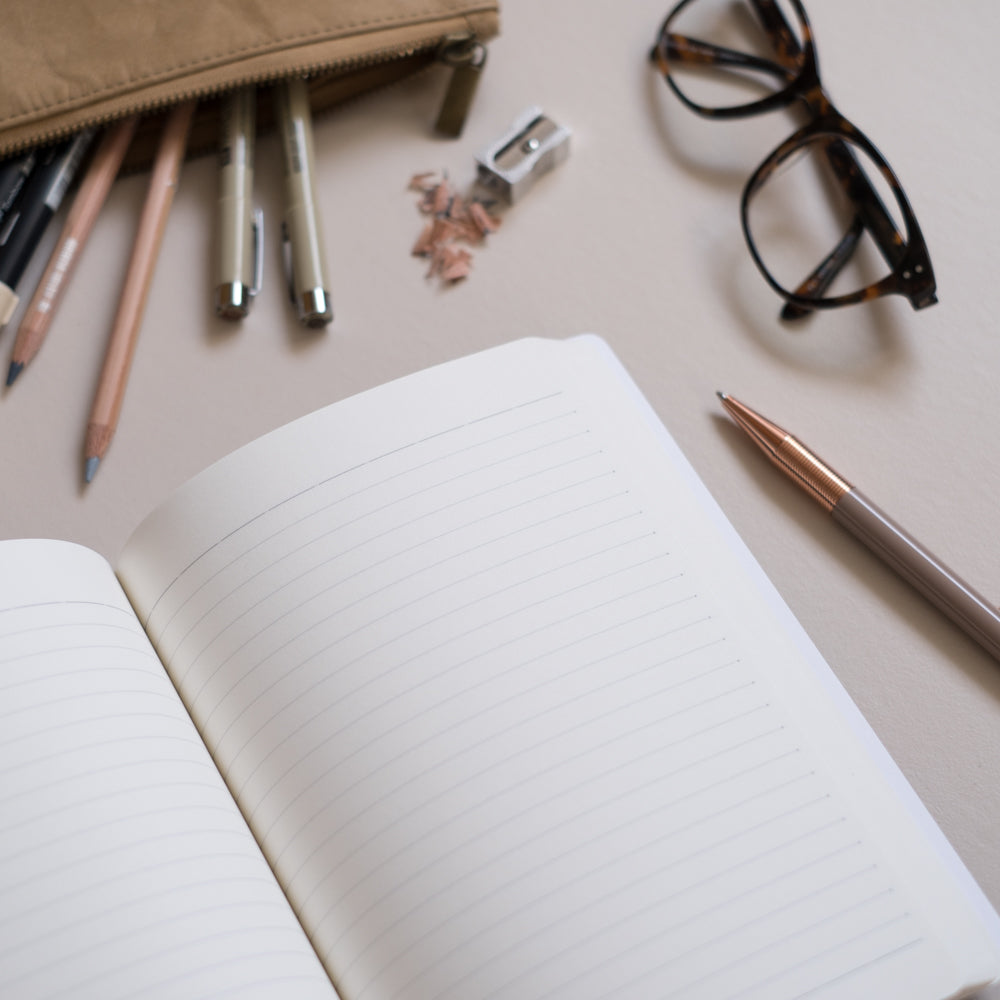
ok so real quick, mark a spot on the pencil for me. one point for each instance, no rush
(135, 289)
(80, 221)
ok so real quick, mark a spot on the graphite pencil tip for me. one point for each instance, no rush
(90, 468)
(16, 367)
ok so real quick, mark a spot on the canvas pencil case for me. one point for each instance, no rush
(68, 66)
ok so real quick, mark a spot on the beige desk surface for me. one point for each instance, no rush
(635, 237)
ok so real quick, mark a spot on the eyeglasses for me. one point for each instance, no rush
(825, 186)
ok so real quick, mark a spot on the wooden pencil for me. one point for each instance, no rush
(80, 221)
(128, 320)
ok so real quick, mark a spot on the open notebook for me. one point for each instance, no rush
(459, 688)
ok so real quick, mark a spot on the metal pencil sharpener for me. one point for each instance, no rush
(532, 147)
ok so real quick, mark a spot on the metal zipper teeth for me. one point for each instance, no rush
(335, 68)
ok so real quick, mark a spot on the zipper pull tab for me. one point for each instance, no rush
(466, 57)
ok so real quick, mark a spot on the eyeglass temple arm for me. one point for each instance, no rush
(694, 51)
(822, 277)
(871, 213)
(869, 205)
(786, 45)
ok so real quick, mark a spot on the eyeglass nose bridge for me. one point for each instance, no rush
(906, 253)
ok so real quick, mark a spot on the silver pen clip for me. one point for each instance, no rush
(286, 259)
(258, 251)
(530, 148)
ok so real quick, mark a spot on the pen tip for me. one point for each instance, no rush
(722, 395)
(90, 469)
(16, 367)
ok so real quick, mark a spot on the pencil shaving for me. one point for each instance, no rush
(450, 263)
(482, 219)
(456, 219)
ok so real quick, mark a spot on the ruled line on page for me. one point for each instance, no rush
(290, 802)
(355, 720)
(250, 669)
(319, 919)
(125, 878)
(109, 801)
(124, 671)
(395, 581)
(509, 914)
(312, 539)
(194, 811)
(825, 983)
(80, 748)
(499, 956)
(426, 651)
(310, 542)
(340, 473)
(119, 938)
(423, 652)
(783, 939)
(513, 817)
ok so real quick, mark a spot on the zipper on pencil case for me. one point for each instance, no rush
(463, 54)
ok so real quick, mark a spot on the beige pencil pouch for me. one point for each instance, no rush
(65, 66)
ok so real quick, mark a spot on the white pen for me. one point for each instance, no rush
(238, 264)
(301, 229)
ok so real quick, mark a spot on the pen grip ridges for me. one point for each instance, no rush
(815, 475)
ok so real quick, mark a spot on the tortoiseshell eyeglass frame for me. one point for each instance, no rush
(795, 68)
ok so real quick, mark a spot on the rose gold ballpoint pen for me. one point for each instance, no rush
(872, 527)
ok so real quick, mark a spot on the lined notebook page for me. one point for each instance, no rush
(507, 719)
(125, 868)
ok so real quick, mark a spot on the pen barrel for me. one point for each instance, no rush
(234, 275)
(301, 218)
(923, 570)
(39, 200)
(14, 173)
(308, 257)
